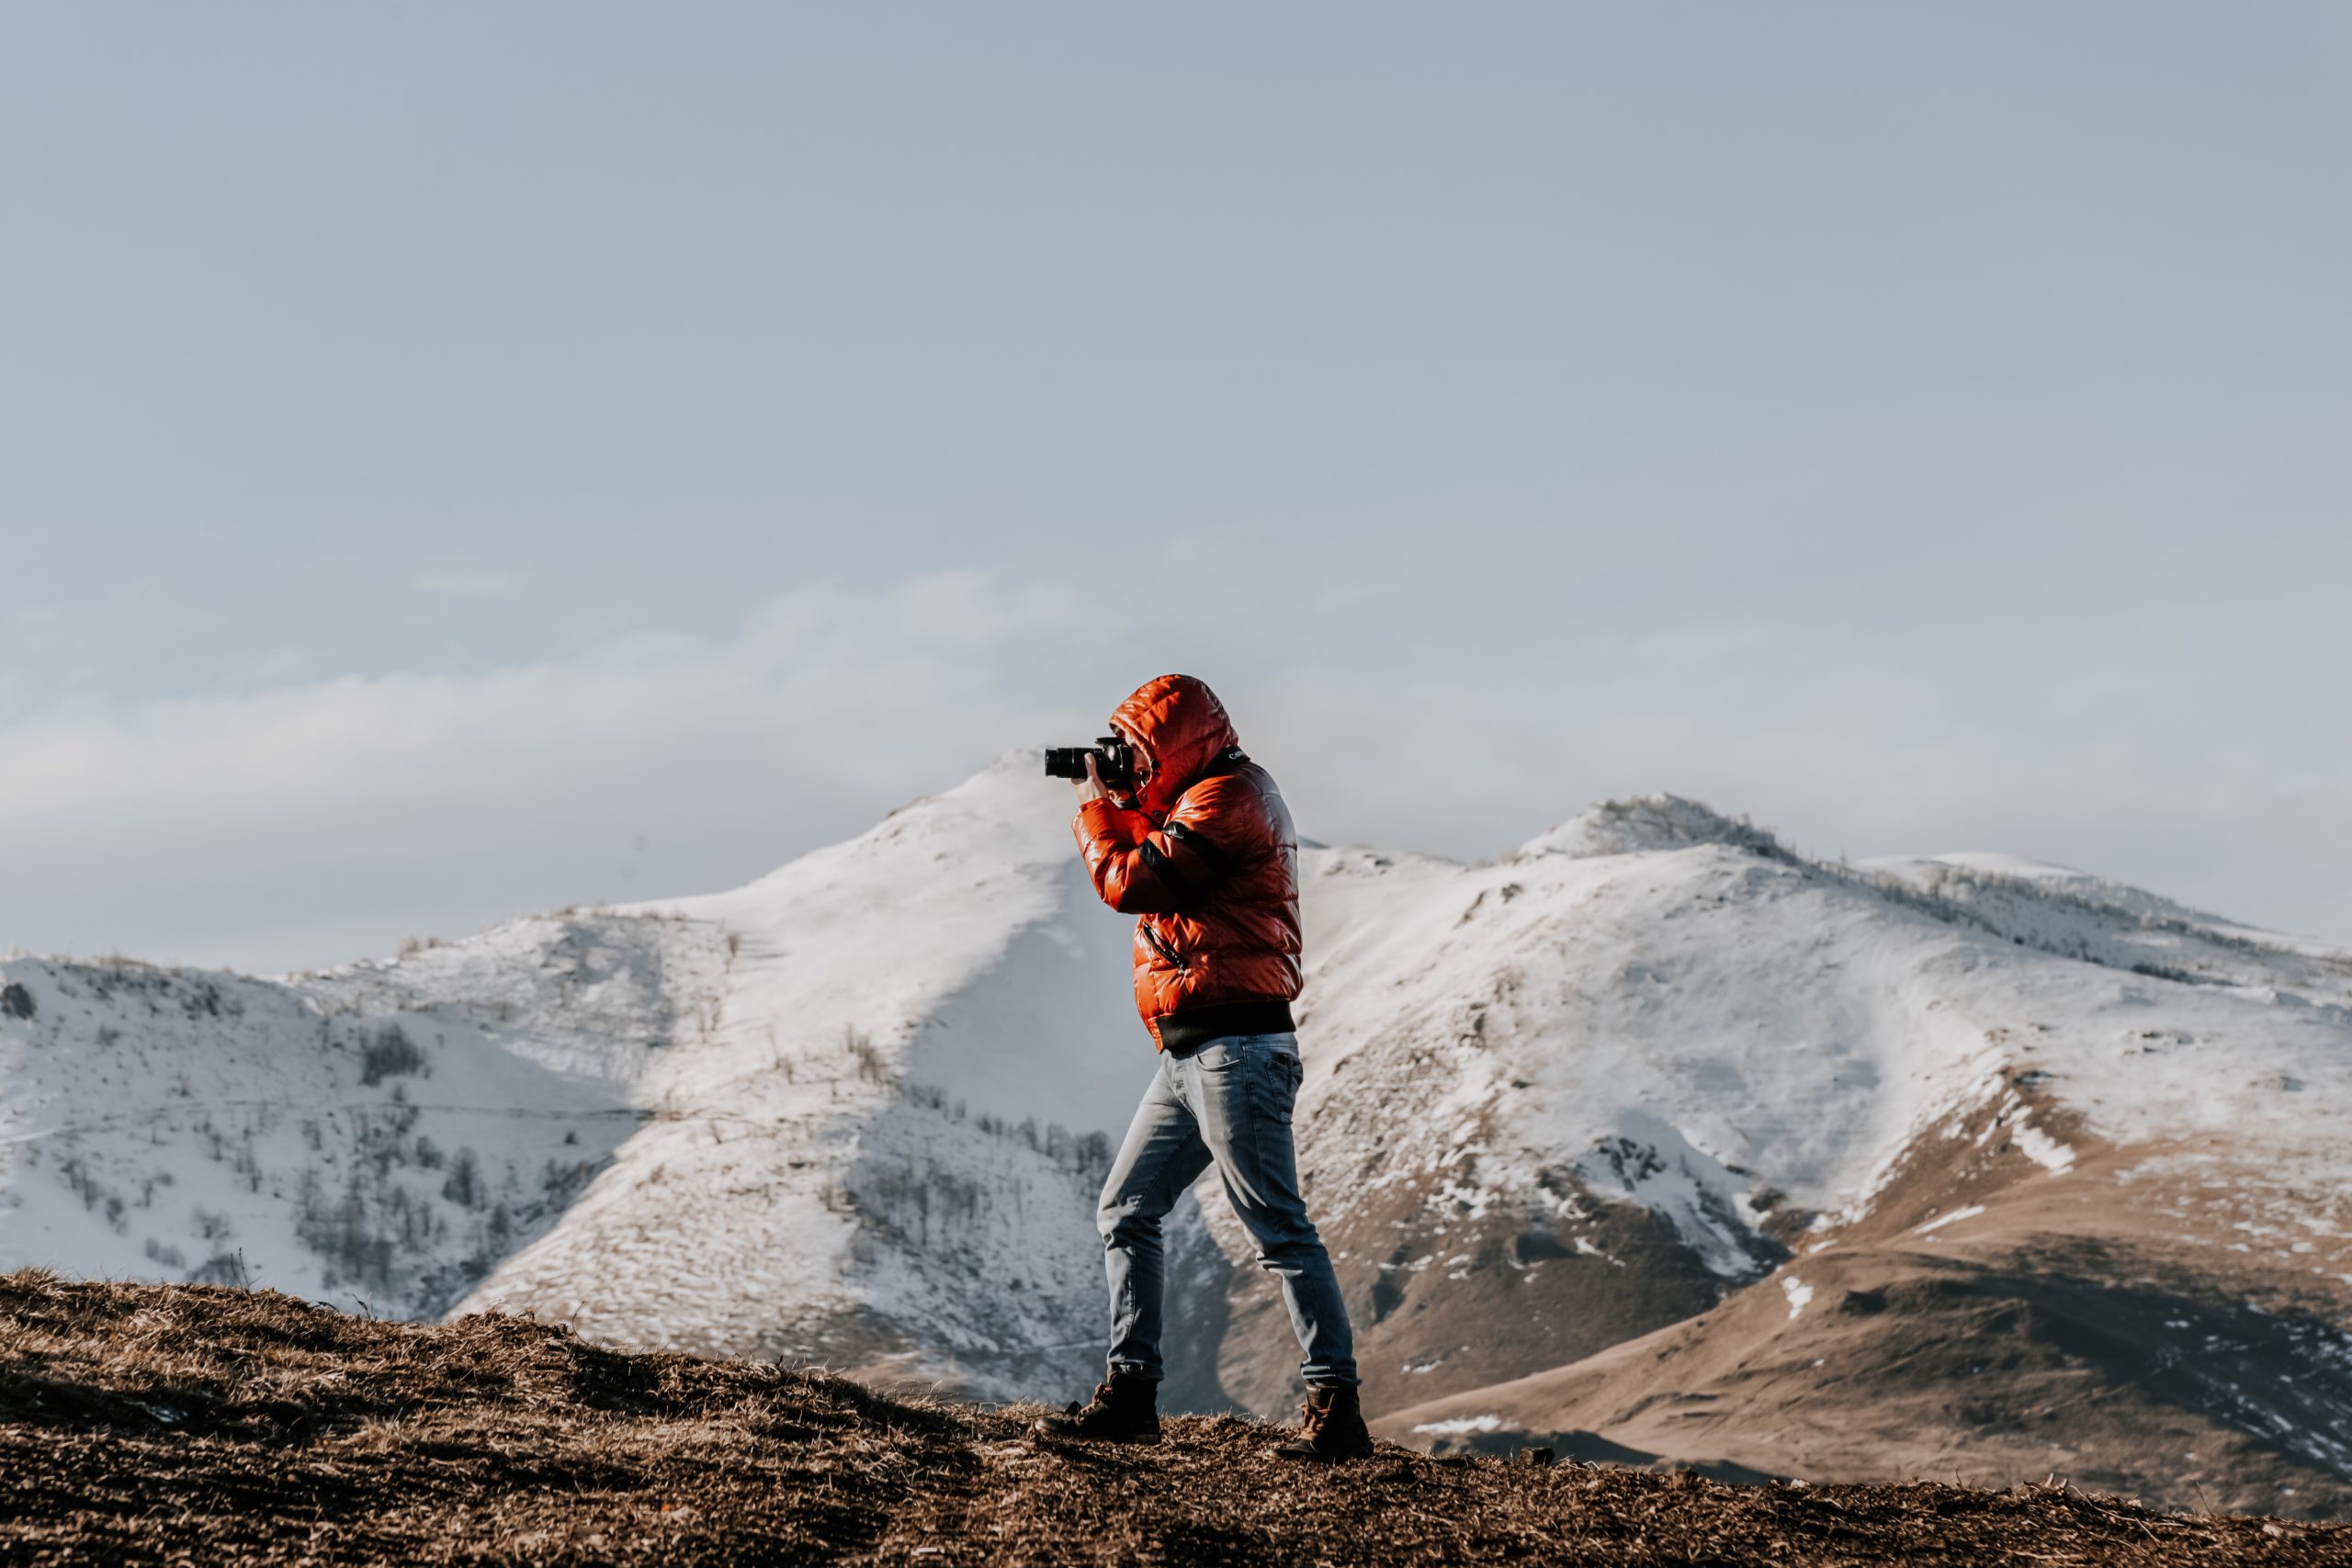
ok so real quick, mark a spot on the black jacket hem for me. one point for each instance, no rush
(1181, 1034)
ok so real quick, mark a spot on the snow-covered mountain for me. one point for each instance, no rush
(1653, 1137)
(852, 1113)
(1654, 1061)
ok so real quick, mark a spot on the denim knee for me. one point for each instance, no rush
(1282, 1232)
(1121, 1217)
(1281, 1252)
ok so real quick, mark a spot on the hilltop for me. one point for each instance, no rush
(155, 1423)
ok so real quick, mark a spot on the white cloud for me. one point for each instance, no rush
(319, 821)
(233, 830)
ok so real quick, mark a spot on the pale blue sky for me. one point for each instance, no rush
(1922, 427)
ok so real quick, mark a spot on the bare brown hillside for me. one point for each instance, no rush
(154, 1424)
(2027, 1328)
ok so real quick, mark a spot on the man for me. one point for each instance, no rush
(1203, 854)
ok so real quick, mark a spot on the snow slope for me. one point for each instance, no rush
(1565, 1105)
(883, 1148)
(854, 1111)
(1774, 1016)
(163, 1124)
(1565, 1099)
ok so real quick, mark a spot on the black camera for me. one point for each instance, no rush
(1114, 760)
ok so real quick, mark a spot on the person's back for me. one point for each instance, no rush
(1203, 854)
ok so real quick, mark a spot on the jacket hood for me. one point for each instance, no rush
(1176, 722)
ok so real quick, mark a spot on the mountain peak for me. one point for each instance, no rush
(1637, 823)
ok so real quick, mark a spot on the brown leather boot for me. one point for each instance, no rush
(1330, 1427)
(1124, 1410)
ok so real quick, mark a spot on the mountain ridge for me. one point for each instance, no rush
(1649, 1067)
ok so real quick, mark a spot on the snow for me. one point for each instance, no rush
(841, 1114)
(153, 1115)
(1461, 1426)
(1686, 1016)
(2043, 1149)
(900, 1007)
(856, 1110)
(1799, 1295)
(1649, 1162)
(2003, 884)
(1940, 1220)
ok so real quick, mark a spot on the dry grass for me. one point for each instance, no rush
(199, 1424)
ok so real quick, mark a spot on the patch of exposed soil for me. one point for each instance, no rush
(151, 1423)
(1989, 1361)
(1442, 1301)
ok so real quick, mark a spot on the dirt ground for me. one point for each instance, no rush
(151, 1423)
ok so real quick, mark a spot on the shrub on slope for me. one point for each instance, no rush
(171, 1423)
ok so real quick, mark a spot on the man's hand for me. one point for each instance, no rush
(1091, 787)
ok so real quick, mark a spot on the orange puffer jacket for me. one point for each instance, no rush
(1204, 854)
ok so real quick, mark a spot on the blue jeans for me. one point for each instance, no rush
(1228, 1104)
